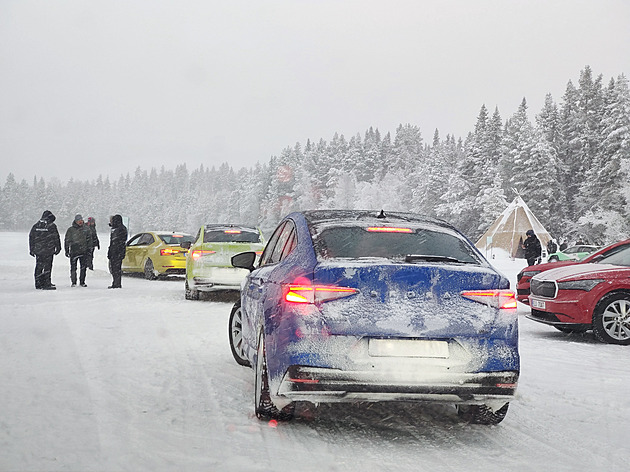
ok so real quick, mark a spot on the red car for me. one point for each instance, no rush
(585, 296)
(523, 278)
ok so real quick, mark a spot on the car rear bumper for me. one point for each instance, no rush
(314, 384)
(217, 278)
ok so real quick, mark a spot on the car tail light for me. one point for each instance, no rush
(258, 253)
(169, 251)
(297, 293)
(197, 253)
(503, 299)
(232, 231)
(388, 229)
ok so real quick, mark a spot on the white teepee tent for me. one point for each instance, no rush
(507, 233)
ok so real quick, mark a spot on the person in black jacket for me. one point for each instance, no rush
(117, 249)
(94, 242)
(532, 247)
(77, 244)
(44, 244)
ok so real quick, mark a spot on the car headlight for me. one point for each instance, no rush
(586, 285)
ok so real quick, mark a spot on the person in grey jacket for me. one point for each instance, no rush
(44, 243)
(117, 249)
(78, 244)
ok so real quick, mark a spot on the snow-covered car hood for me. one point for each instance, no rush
(583, 271)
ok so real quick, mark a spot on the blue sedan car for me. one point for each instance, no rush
(351, 306)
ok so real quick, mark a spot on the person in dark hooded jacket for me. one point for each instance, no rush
(44, 244)
(532, 247)
(78, 243)
(117, 250)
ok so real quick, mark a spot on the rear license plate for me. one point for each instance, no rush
(538, 304)
(407, 348)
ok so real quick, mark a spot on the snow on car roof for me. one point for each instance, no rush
(317, 216)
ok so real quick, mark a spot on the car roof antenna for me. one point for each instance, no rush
(381, 214)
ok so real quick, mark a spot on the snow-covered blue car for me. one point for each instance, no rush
(370, 306)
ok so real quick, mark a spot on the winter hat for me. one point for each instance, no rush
(77, 217)
(48, 216)
(529, 232)
(91, 220)
(116, 221)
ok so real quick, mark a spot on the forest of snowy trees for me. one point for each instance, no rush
(570, 165)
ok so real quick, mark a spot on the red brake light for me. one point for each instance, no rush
(316, 293)
(232, 231)
(168, 251)
(503, 299)
(197, 253)
(388, 229)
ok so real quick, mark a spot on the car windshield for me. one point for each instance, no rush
(620, 257)
(410, 245)
(176, 238)
(231, 236)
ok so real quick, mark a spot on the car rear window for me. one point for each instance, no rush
(231, 236)
(176, 238)
(359, 242)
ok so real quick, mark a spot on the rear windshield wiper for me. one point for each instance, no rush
(434, 258)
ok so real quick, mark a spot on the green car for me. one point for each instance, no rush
(209, 259)
(573, 253)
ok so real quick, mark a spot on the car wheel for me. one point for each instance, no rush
(264, 407)
(553, 259)
(190, 293)
(149, 271)
(235, 334)
(611, 319)
(570, 330)
(482, 414)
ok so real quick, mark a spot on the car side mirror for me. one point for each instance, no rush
(185, 244)
(244, 260)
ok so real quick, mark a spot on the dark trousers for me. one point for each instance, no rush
(83, 259)
(43, 271)
(115, 268)
(90, 257)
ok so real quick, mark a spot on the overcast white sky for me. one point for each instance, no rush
(91, 87)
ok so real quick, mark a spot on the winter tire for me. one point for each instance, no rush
(264, 407)
(149, 271)
(190, 293)
(611, 319)
(482, 414)
(235, 334)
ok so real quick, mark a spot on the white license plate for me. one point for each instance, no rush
(538, 304)
(407, 348)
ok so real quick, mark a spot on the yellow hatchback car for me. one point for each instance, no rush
(157, 253)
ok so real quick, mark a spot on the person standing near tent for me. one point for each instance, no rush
(532, 247)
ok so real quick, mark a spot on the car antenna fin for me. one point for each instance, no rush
(381, 214)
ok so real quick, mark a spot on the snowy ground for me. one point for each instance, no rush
(140, 379)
